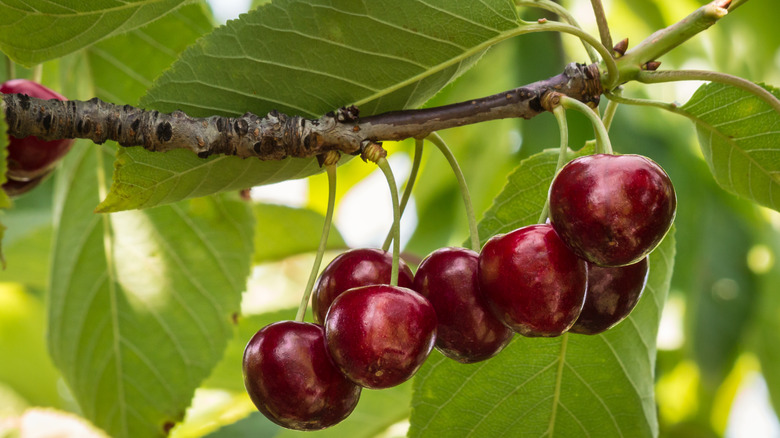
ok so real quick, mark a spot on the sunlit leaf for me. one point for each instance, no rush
(571, 385)
(521, 201)
(32, 31)
(305, 59)
(142, 303)
(768, 322)
(740, 138)
(26, 367)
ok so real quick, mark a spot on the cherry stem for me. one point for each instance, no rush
(565, 15)
(396, 230)
(610, 79)
(10, 69)
(560, 115)
(603, 145)
(331, 171)
(37, 73)
(436, 139)
(601, 21)
(609, 112)
(418, 147)
(654, 77)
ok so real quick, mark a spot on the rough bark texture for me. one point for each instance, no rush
(277, 136)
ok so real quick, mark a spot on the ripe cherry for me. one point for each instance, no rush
(14, 188)
(30, 157)
(532, 281)
(612, 210)
(355, 268)
(467, 330)
(612, 294)
(292, 379)
(380, 335)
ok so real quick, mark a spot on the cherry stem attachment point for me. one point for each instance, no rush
(418, 148)
(385, 167)
(560, 116)
(330, 169)
(603, 145)
(436, 139)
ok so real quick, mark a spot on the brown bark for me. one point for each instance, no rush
(277, 136)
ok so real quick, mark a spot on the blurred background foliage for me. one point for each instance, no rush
(718, 369)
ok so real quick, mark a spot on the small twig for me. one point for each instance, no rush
(664, 40)
(601, 21)
(277, 136)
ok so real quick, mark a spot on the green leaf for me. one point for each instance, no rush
(305, 59)
(255, 425)
(141, 303)
(740, 138)
(125, 66)
(571, 385)
(285, 231)
(26, 367)
(32, 31)
(768, 324)
(521, 201)
(376, 411)
(227, 374)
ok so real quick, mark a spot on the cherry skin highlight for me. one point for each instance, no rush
(355, 268)
(612, 210)
(380, 335)
(31, 157)
(531, 281)
(292, 379)
(612, 294)
(15, 188)
(467, 330)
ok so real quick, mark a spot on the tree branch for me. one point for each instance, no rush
(277, 136)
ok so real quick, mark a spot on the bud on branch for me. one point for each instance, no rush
(277, 136)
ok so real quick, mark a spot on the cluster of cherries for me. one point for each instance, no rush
(583, 271)
(30, 159)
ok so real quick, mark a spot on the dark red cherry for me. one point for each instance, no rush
(612, 210)
(531, 281)
(30, 157)
(467, 331)
(355, 268)
(292, 379)
(612, 294)
(380, 335)
(14, 188)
